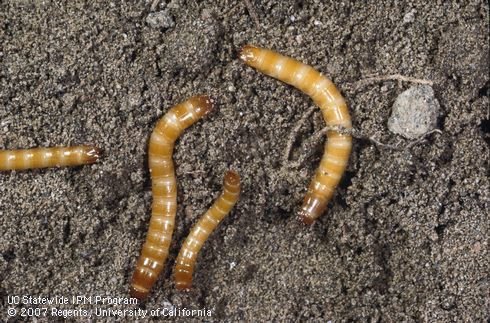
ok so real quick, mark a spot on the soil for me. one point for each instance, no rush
(404, 239)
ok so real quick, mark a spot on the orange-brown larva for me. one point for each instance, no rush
(48, 157)
(335, 113)
(164, 188)
(184, 266)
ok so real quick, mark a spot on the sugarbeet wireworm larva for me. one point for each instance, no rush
(334, 110)
(184, 266)
(164, 188)
(48, 157)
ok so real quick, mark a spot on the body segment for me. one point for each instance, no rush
(335, 113)
(164, 189)
(48, 157)
(184, 266)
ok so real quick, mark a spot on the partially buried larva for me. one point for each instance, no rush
(164, 188)
(335, 113)
(186, 261)
(21, 159)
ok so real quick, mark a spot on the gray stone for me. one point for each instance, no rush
(414, 112)
(161, 19)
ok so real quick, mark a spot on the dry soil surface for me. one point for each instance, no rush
(404, 239)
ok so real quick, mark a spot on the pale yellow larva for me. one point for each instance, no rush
(335, 113)
(186, 261)
(48, 157)
(164, 189)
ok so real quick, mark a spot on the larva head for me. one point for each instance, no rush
(313, 206)
(92, 154)
(249, 54)
(203, 104)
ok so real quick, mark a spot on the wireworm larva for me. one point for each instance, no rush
(334, 110)
(184, 266)
(164, 189)
(48, 157)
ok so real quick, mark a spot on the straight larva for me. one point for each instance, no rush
(335, 113)
(48, 157)
(184, 266)
(164, 188)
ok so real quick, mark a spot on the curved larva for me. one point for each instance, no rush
(334, 110)
(48, 157)
(184, 266)
(164, 189)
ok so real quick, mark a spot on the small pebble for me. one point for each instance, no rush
(161, 19)
(414, 112)
(409, 16)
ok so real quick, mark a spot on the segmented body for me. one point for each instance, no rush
(335, 113)
(48, 157)
(186, 260)
(164, 188)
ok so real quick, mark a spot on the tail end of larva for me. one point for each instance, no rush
(232, 178)
(183, 287)
(141, 282)
(183, 280)
(305, 218)
(249, 53)
(138, 293)
(203, 104)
